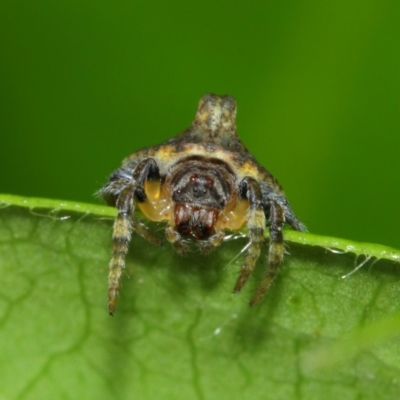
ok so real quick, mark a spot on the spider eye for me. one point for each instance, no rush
(199, 181)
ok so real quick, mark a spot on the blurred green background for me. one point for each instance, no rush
(85, 83)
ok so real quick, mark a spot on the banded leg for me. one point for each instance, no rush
(176, 240)
(250, 189)
(290, 217)
(275, 252)
(213, 241)
(122, 191)
(122, 232)
(144, 232)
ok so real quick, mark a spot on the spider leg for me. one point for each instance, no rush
(144, 232)
(126, 191)
(290, 217)
(210, 243)
(275, 252)
(250, 189)
(176, 240)
(122, 233)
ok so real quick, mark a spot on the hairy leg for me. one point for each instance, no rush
(123, 190)
(144, 232)
(176, 240)
(122, 232)
(276, 250)
(290, 217)
(250, 189)
(213, 241)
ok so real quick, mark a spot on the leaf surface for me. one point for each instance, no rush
(179, 332)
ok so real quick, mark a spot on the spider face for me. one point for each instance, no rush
(202, 183)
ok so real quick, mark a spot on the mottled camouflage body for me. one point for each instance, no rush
(201, 182)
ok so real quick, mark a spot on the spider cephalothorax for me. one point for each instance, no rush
(202, 183)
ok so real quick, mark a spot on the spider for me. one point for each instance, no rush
(202, 182)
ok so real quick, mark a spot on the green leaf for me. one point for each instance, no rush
(178, 331)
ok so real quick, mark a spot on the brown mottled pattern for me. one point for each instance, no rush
(212, 134)
(209, 153)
